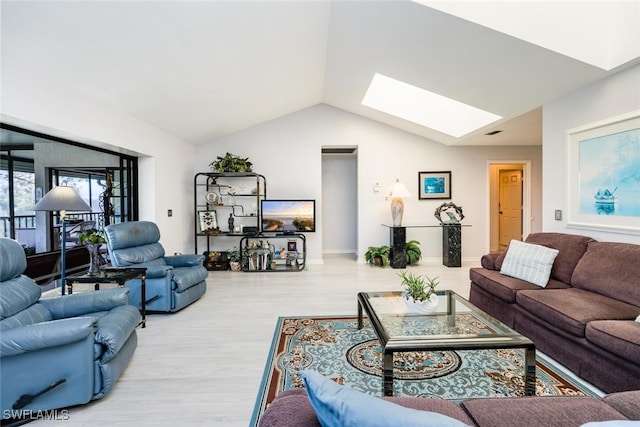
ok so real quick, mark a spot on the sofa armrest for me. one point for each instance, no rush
(85, 303)
(29, 338)
(115, 328)
(187, 260)
(488, 261)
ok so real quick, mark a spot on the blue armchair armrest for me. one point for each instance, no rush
(24, 339)
(115, 328)
(85, 303)
(186, 260)
(155, 271)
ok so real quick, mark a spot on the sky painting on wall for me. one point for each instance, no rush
(610, 174)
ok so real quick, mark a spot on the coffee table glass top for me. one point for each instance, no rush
(455, 319)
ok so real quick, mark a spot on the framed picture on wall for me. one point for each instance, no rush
(602, 175)
(434, 185)
(208, 220)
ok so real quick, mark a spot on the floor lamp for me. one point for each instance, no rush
(62, 199)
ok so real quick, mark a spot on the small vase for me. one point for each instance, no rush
(235, 266)
(94, 258)
(422, 307)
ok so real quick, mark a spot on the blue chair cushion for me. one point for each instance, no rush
(13, 259)
(18, 294)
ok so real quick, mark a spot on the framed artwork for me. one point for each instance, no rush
(292, 246)
(603, 188)
(208, 220)
(434, 185)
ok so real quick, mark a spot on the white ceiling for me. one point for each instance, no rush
(203, 69)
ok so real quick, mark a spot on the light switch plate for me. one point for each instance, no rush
(558, 215)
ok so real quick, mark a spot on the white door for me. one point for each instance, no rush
(510, 218)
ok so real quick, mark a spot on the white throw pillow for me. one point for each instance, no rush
(529, 262)
(638, 318)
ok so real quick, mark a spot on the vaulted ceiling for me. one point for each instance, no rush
(203, 69)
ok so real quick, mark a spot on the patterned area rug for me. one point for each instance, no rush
(336, 348)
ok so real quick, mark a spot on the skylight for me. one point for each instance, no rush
(425, 108)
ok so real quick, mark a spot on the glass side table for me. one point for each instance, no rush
(112, 275)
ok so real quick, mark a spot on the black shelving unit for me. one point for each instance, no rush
(273, 252)
(220, 196)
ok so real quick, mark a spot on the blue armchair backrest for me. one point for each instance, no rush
(18, 293)
(134, 242)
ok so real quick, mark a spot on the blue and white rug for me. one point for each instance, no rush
(335, 347)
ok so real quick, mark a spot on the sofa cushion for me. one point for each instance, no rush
(529, 262)
(571, 248)
(610, 269)
(337, 405)
(571, 309)
(505, 287)
(539, 411)
(621, 337)
(625, 402)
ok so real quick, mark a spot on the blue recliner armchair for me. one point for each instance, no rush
(58, 352)
(172, 282)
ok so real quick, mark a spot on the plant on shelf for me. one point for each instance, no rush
(413, 254)
(231, 163)
(378, 255)
(234, 259)
(419, 292)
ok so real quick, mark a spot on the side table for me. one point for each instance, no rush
(114, 275)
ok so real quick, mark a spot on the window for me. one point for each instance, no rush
(32, 163)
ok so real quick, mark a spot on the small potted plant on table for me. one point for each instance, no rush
(93, 239)
(419, 293)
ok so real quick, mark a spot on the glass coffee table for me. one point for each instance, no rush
(399, 330)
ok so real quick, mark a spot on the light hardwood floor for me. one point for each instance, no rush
(204, 364)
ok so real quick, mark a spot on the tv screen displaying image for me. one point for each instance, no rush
(288, 216)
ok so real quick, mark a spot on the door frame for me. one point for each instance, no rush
(493, 198)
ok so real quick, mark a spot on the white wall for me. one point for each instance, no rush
(165, 167)
(288, 152)
(607, 98)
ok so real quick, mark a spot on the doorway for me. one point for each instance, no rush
(509, 203)
(339, 202)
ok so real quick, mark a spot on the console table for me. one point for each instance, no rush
(451, 244)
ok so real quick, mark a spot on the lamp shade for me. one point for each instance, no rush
(397, 189)
(62, 198)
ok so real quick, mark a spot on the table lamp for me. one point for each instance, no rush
(397, 192)
(62, 199)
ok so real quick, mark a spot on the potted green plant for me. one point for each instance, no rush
(419, 292)
(231, 163)
(233, 255)
(378, 255)
(413, 254)
(93, 239)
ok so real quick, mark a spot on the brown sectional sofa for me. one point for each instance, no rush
(292, 408)
(584, 317)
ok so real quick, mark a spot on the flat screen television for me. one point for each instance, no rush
(281, 216)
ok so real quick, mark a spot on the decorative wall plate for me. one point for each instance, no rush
(212, 197)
